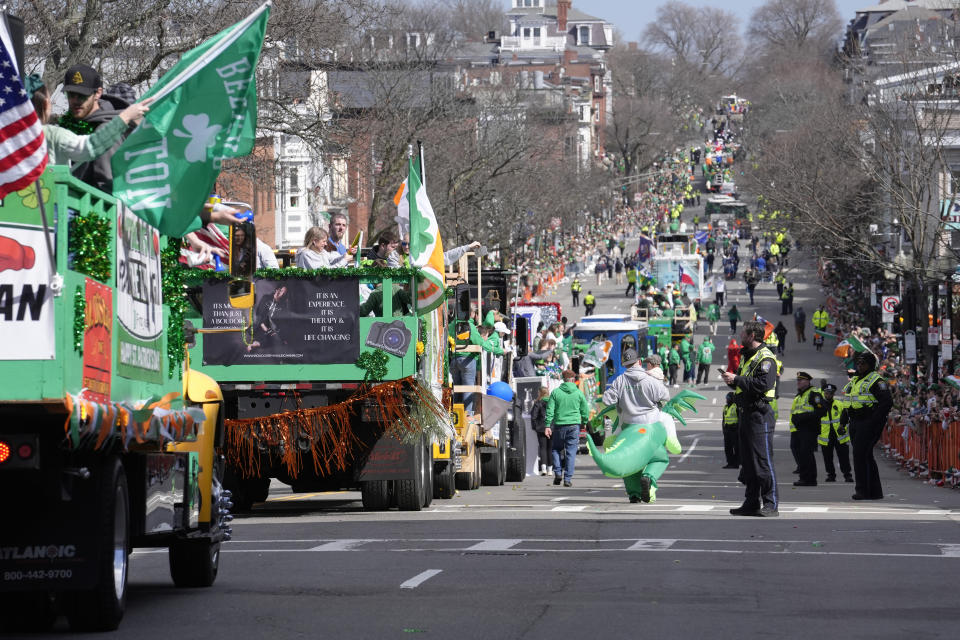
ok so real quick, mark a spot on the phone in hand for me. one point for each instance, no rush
(721, 371)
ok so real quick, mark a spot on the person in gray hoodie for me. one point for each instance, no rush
(637, 393)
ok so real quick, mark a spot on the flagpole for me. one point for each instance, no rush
(423, 175)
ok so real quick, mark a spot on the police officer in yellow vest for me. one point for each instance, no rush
(834, 437)
(753, 387)
(805, 413)
(821, 319)
(575, 288)
(589, 302)
(731, 420)
(866, 401)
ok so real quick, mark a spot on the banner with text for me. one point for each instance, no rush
(139, 300)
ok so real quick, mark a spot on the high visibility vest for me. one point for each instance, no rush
(730, 416)
(821, 319)
(831, 420)
(856, 394)
(749, 368)
(589, 299)
(575, 286)
(801, 404)
(772, 341)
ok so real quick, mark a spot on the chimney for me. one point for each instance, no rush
(632, 46)
(563, 6)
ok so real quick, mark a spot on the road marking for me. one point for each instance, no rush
(495, 544)
(810, 509)
(690, 450)
(559, 499)
(420, 578)
(340, 545)
(654, 544)
(696, 507)
(304, 496)
(569, 508)
(950, 550)
(929, 512)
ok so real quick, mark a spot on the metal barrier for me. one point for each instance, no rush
(929, 452)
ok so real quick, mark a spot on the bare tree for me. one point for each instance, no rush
(700, 39)
(475, 18)
(795, 24)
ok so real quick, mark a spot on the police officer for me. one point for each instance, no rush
(731, 433)
(833, 436)
(821, 319)
(753, 387)
(805, 413)
(589, 302)
(866, 401)
(575, 288)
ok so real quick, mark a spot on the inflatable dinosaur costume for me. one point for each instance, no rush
(638, 454)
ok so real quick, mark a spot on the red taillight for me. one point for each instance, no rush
(4, 451)
(25, 451)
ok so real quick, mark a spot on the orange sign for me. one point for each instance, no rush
(97, 342)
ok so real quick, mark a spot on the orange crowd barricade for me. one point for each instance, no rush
(930, 449)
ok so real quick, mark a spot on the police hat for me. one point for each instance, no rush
(804, 375)
(82, 79)
(730, 396)
(831, 388)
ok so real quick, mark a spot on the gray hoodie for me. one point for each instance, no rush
(638, 396)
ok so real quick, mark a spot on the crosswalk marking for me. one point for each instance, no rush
(571, 507)
(651, 544)
(495, 544)
(340, 545)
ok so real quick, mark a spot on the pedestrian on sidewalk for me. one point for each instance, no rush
(805, 413)
(566, 411)
(787, 300)
(734, 316)
(704, 360)
(834, 437)
(538, 419)
(713, 317)
(674, 364)
(733, 355)
(589, 302)
(575, 288)
(731, 433)
(618, 269)
(800, 323)
(631, 282)
(721, 291)
(781, 332)
(600, 269)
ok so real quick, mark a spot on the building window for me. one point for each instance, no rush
(413, 40)
(536, 33)
(526, 32)
(292, 230)
(294, 202)
(596, 84)
(584, 35)
(955, 181)
(294, 180)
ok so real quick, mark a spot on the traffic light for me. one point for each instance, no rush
(898, 318)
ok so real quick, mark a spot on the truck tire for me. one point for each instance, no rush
(428, 475)
(375, 495)
(517, 461)
(246, 491)
(410, 492)
(475, 478)
(101, 608)
(194, 563)
(493, 463)
(444, 483)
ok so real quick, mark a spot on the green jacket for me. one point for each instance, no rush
(713, 312)
(491, 344)
(567, 405)
(705, 353)
(674, 357)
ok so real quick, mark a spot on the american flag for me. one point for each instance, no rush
(23, 152)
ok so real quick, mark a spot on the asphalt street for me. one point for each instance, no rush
(531, 560)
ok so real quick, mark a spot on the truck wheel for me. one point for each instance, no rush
(516, 463)
(194, 563)
(428, 475)
(101, 608)
(375, 495)
(444, 483)
(492, 469)
(410, 492)
(475, 479)
(246, 491)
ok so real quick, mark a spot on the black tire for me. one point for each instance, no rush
(517, 461)
(475, 478)
(375, 495)
(410, 492)
(491, 470)
(444, 482)
(29, 612)
(503, 460)
(428, 475)
(101, 608)
(194, 563)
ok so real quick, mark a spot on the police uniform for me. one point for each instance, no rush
(834, 437)
(866, 400)
(731, 433)
(754, 391)
(805, 414)
(575, 288)
(589, 302)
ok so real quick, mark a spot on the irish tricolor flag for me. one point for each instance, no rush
(426, 248)
(850, 344)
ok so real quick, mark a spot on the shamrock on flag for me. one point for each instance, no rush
(851, 344)
(426, 248)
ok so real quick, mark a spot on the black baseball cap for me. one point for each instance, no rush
(82, 79)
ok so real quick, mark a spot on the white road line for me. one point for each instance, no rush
(420, 578)
(340, 545)
(950, 550)
(696, 507)
(569, 508)
(559, 499)
(810, 509)
(651, 545)
(690, 450)
(495, 544)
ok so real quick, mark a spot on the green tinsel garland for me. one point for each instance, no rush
(79, 127)
(173, 295)
(89, 244)
(79, 318)
(374, 363)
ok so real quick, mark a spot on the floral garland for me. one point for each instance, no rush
(89, 237)
(79, 127)
(79, 318)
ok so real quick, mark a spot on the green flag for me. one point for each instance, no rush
(204, 110)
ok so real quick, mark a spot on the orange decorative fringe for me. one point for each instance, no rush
(326, 433)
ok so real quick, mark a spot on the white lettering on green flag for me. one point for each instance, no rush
(204, 110)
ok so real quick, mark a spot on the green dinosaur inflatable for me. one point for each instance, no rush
(638, 454)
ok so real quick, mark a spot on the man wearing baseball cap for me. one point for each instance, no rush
(805, 413)
(88, 108)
